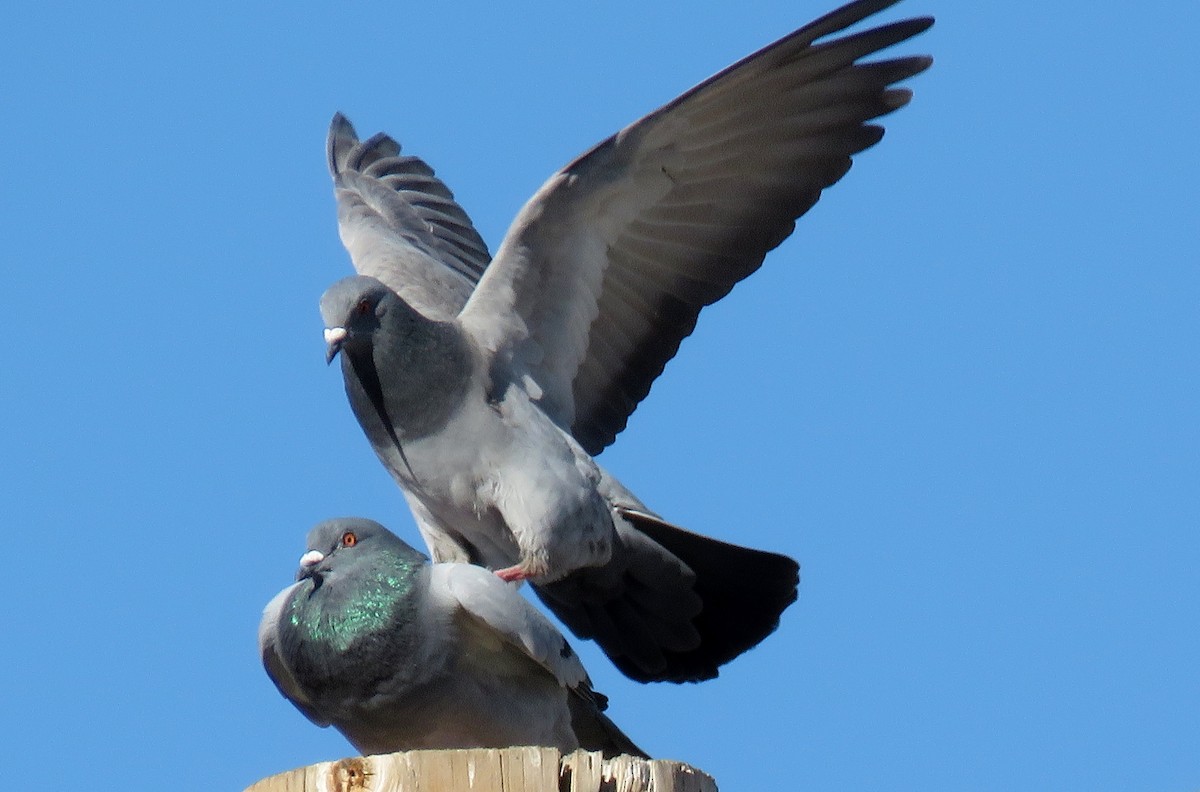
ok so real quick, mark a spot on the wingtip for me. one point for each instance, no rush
(918, 25)
(341, 139)
(895, 98)
(851, 14)
(920, 63)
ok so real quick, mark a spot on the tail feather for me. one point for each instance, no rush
(596, 731)
(673, 605)
(744, 592)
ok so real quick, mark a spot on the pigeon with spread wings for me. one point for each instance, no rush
(486, 387)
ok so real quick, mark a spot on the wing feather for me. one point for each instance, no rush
(400, 223)
(499, 608)
(606, 269)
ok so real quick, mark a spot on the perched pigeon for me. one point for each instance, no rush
(400, 654)
(485, 388)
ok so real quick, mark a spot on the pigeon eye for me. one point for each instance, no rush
(364, 306)
(349, 539)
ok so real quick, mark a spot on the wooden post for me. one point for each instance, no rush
(490, 770)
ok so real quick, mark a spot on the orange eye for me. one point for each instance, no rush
(364, 306)
(349, 539)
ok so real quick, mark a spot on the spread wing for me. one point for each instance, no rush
(607, 267)
(401, 224)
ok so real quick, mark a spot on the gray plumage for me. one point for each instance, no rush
(399, 654)
(485, 388)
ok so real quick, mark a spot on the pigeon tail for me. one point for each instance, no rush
(744, 592)
(596, 731)
(673, 605)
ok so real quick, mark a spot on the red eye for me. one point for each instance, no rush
(349, 539)
(364, 306)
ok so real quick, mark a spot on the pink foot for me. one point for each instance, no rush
(512, 573)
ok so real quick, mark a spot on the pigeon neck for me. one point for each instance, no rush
(359, 601)
(413, 377)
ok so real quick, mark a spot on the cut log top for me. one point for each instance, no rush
(490, 770)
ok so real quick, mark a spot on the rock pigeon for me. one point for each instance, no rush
(400, 654)
(486, 387)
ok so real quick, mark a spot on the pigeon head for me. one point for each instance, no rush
(357, 587)
(344, 541)
(351, 309)
(404, 372)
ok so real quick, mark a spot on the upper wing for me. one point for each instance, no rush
(277, 670)
(606, 268)
(401, 223)
(501, 609)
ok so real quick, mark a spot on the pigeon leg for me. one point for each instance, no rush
(513, 573)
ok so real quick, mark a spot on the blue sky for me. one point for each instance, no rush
(963, 394)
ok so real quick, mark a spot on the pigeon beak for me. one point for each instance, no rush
(308, 563)
(334, 338)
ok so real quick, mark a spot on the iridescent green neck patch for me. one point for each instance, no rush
(341, 619)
